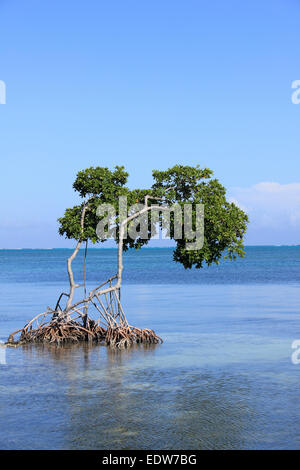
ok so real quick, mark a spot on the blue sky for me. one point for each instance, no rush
(148, 84)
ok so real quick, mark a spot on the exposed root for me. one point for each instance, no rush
(60, 332)
(74, 325)
(122, 337)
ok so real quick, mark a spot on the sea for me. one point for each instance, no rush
(226, 376)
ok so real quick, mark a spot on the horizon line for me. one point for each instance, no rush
(146, 247)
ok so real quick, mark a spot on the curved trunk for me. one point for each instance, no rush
(73, 286)
(71, 278)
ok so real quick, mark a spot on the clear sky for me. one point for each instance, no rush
(148, 84)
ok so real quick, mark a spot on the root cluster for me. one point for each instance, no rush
(58, 331)
(74, 325)
(123, 337)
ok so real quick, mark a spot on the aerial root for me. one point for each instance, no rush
(125, 336)
(74, 325)
(62, 332)
(59, 332)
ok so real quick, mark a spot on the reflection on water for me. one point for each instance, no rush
(222, 379)
(71, 353)
(101, 401)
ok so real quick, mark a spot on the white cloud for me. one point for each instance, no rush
(237, 203)
(274, 211)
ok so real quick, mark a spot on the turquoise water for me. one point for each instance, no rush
(222, 379)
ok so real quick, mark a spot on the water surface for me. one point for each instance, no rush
(222, 379)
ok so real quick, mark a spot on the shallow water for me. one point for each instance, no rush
(222, 379)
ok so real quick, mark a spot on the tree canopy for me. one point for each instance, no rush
(225, 223)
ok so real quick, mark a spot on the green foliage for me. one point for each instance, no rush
(183, 181)
(104, 186)
(225, 223)
(137, 196)
(69, 224)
